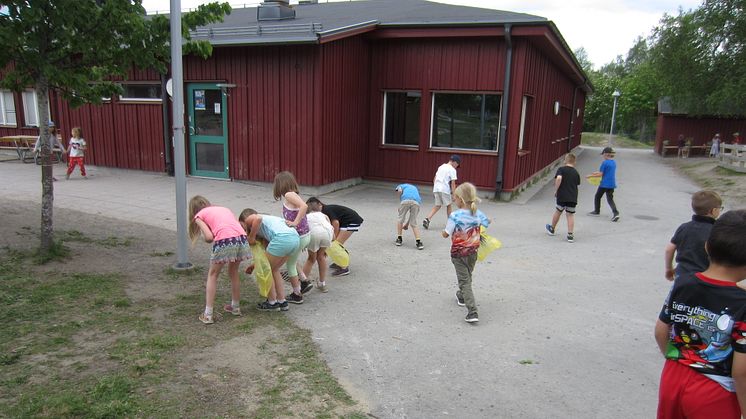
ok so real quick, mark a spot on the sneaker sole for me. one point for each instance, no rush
(593, 214)
(615, 219)
(345, 273)
(286, 308)
(397, 243)
(471, 320)
(420, 247)
(460, 304)
(295, 302)
(268, 309)
(306, 289)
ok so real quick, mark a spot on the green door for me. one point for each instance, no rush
(208, 131)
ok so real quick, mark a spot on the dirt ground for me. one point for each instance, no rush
(257, 365)
(729, 184)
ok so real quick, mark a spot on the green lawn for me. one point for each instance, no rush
(597, 139)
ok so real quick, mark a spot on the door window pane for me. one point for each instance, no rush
(469, 121)
(7, 108)
(208, 112)
(209, 157)
(402, 118)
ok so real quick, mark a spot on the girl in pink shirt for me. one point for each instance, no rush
(219, 226)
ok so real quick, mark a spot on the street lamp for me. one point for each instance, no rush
(616, 95)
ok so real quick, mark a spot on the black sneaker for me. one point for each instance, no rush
(284, 306)
(266, 306)
(295, 298)
(550, 229)
(305, 286)
(334, 266)
(570, 237)
(426, 223)
(615, 218)
(460, 299)
(398, 241)
(594, 214)
(472, 317)
(419, 245)
(341, 272)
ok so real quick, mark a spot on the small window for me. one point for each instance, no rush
(7, 108)
(30, 108)
(141, 93)
(525, 109)
(467, 121)
(401, 118)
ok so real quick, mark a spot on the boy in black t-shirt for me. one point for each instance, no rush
(566, 182)
(345, 222)
(701, 331)
(688, 242)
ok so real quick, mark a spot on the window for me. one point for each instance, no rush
(7, 108)
(468, 121)
(141, 92)
(401, 118)
(525, 109)
(30, 108)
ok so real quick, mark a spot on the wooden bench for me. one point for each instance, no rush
(23, 145)
(733, 157)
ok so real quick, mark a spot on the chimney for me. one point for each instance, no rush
(275, 10)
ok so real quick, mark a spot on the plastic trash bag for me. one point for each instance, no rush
(487, 245)
(262, 269)
(594, 180)
(339, 254)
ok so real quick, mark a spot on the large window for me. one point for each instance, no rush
(141, 92)
(7, 108)
(463, 120)
(30, 108)
(401, 118)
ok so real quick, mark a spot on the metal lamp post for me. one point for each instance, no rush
(616, 95)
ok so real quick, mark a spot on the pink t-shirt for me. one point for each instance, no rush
(222, 222)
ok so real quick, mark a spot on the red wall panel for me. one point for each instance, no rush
(700, 129)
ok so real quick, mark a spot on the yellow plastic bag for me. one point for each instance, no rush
(262, 269)
(339, 254)
(594, 180)
(487, 245)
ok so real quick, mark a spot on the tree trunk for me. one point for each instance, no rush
(47, 185)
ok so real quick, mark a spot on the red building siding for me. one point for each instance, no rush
(465, 65)
(700, 129)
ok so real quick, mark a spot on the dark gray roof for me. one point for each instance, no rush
(315, 20)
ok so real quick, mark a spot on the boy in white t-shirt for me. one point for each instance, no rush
(443, 183)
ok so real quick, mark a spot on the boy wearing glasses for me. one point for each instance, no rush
(688, 242)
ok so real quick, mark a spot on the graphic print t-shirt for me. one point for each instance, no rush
(463, 227)
(707, 318)
(568, 189)
(76, 147)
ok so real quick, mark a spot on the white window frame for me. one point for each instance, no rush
(460, 92)
(7, 109)
(30, 114)
(140, 99)
(417, 93)
(524, 104)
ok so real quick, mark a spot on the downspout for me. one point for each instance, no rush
(504, 113)
(572, 117)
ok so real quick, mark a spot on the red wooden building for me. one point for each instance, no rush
(339, 92)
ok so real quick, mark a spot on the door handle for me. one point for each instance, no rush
(192, 131)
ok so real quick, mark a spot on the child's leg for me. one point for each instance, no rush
(309, 263)
(211, 286)
(277, 292)
(235, 283)
(435, 209)
(416, 231)
(82, 167)
(70, 165)
(399, 228)
(323, 268)
(570, 222)
(555, 218)
(464, 268)
(343, 236)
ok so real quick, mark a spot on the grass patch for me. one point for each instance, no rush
(597, 139)
(161, 254)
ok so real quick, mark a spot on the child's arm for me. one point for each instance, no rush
(453, 185)
(296, 201)
(595, 174)
(668, 260)
(335, 225)
(206, 232)
(662, 335)
(256, 222)
(739, 378)
(557, 183)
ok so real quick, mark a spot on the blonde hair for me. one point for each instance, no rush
(79, 131)
(705, 201)
(284, 183)
(467, 192)
(570, 158)
(196, 204)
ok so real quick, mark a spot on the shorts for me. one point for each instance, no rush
(283, 244)
(567, 206)
(685, 393)
(351, 227)
(408, 210)
(234, 249)
(442, 198)
(320, 237)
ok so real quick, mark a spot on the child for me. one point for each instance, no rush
(463, 227)
(294, 213)
(282, 242)
(444, 183)
(345, 222)
(566, 182)
(688, 242)
(218, 226)
(701, 331)
(322, 234)
(409, 207)
(76, 151)
(607, 171)
(715, 147)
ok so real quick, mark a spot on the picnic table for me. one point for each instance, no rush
(23, 145)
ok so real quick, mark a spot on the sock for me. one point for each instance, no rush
(235, 304)
(296, 290)
(272, 301)
(418, 239)
(281, 301)
(322, 283)
(208, 311)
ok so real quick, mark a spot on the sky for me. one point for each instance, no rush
(605, 28)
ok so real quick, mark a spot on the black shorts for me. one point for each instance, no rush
(567, 206)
